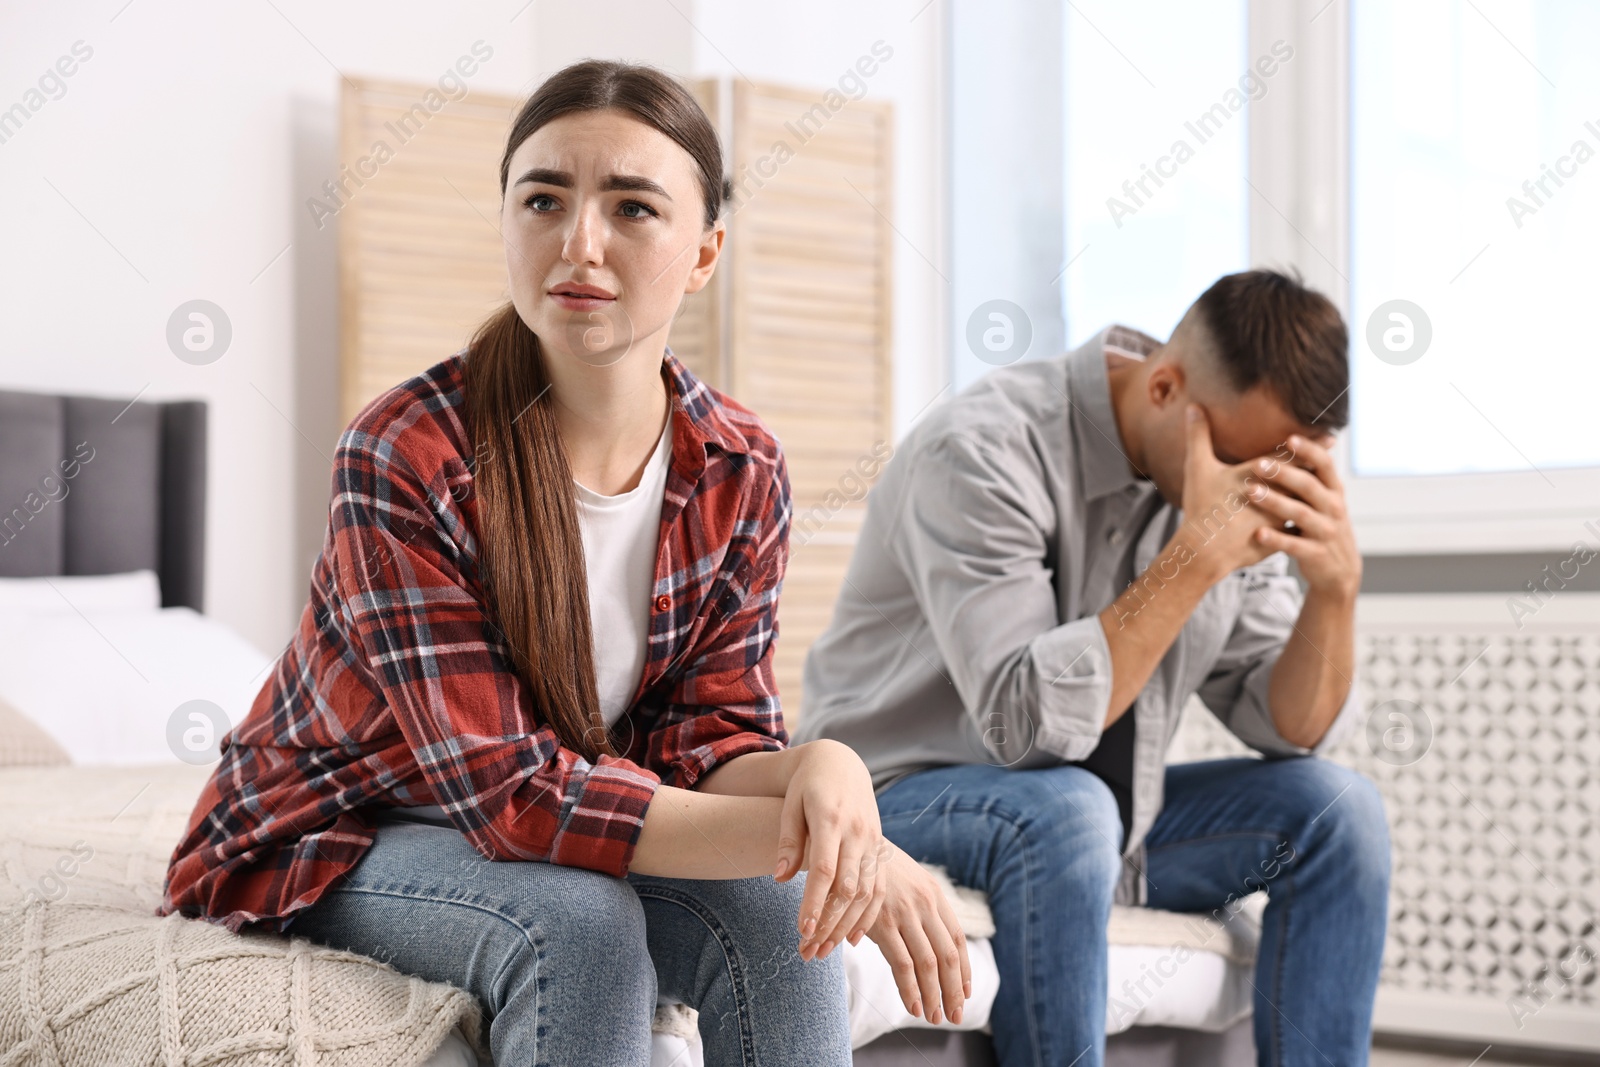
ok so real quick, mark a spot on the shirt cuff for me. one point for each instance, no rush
(599, 828)
(691, 766)
(1253, 722)
(1342, 723)
(1073, 674)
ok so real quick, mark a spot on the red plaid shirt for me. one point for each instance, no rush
(397, 689)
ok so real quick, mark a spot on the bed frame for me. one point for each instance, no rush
(90, 485)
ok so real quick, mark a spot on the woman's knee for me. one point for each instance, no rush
(558, 923)
(746, 930)
(773, 941)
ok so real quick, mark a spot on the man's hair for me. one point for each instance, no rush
(1268, 327)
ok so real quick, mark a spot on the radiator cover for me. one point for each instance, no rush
(1481, 727)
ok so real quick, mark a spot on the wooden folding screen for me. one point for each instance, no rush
(420, 258)
(811, 296)
(795, 324)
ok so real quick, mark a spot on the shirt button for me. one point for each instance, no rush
(1114, 536)
(663, 602)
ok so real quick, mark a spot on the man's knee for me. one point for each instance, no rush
(1341, 811)
(1067, 822)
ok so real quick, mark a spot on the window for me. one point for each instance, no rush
(1475, 201)
(1433, 166)
(1072, 204)
(1155, 140)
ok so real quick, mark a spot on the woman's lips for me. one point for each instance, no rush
(575, 296)
(581, 303)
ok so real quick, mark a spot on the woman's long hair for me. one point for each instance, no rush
(528, 532)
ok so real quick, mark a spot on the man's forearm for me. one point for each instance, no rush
(1141, 624)
(1312, 677)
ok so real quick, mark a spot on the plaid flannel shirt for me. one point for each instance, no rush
(397, 689)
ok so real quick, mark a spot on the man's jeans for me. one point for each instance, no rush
(567, 962)
(1045, 846)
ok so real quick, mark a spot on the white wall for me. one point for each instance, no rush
(810, 46)
(176, 162)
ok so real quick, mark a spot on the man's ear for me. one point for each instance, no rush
(709, 252)
(1165, 384)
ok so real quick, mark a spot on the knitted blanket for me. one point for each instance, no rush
(90, 975)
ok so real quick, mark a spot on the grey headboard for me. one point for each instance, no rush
(96, 486)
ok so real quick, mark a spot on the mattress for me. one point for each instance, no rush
(1165, 970)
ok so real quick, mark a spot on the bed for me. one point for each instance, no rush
(114, 688)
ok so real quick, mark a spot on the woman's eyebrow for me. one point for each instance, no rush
(546, 176)
(632, 183)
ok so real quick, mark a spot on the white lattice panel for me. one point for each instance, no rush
(1485, 741)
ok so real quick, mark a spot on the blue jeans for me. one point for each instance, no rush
(567, 963)
(1046, 847)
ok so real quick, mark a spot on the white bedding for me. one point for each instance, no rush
(1164, 969)
(68, 593)
(135, 813)
(104, 672)
(107, 684)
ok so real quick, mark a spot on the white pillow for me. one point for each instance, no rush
(132, 591)
(108, 685)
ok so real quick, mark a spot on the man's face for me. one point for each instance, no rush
(1244, 425)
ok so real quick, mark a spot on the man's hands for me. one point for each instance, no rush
(1220, 528)
(859, 884)
(1323, 542)
(1238, 514)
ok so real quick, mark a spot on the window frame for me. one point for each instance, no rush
(1299, 166)
(1300, 171)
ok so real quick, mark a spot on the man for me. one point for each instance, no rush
(1052, 563)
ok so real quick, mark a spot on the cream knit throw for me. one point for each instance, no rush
(90, 976)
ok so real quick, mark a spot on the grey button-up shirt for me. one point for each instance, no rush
(968, 630)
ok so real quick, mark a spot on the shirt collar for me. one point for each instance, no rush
(704, 418)
(1102, 464)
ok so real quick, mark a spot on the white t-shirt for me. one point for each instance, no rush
(620, 534)
(619, 551)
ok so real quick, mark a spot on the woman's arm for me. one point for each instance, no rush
(734, 825)
(691, 834)
(828, 827)
(754, 774)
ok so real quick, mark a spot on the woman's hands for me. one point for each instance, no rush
(858, 883)
(920, 936)
(830, 829)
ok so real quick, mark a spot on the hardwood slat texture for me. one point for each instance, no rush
(816, 571)
(421, 264)
(810, 296)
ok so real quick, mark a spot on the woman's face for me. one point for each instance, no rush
(604, 227)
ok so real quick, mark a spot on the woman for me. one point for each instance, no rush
(526, 739)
